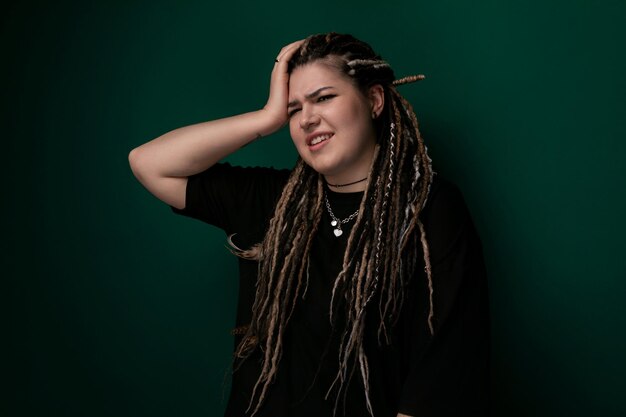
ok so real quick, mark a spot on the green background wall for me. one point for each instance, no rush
(117, 307)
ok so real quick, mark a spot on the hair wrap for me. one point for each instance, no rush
(409, 79)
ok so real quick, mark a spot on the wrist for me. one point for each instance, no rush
(271, 121)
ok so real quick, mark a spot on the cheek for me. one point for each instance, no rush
(361, 123)
(297, 138)
(357, 114)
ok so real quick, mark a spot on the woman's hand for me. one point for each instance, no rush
(276, 107)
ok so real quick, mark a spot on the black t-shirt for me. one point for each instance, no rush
(417, 374)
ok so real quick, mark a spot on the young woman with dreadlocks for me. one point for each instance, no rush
(362, 286)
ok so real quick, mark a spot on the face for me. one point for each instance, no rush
(331, 122)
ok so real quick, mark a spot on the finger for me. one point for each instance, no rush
(291, 46)
(287, 51)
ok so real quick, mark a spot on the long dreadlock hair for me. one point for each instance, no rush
(385, 243)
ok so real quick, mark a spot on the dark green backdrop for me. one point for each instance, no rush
(117, 307)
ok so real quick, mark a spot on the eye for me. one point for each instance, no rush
(326, 97)
(292, 112)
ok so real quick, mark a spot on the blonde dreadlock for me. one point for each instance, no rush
(383, 248)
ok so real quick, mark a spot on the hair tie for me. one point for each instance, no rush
(409, 79)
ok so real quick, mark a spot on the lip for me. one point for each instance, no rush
(312, 136)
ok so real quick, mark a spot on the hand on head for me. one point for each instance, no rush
(276, 105)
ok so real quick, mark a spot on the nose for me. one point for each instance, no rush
(308, 118)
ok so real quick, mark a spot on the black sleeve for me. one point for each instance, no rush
(233, 198)
(448, 373)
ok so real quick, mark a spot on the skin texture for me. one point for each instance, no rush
(323, 100)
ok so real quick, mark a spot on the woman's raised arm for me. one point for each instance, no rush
(163, 164)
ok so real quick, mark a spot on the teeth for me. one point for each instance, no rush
(319, 139)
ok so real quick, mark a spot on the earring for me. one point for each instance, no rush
(374, 115)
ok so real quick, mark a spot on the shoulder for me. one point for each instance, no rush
(233, 197)
(239, 174)
(446, 218)
(241, 183)
(445, 202)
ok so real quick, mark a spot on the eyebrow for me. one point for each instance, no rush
(310, 95)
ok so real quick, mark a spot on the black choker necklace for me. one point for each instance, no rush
(345, 185)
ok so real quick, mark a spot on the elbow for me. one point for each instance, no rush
(134, 160)
(133, 155)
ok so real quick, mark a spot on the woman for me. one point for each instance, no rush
(362, 286)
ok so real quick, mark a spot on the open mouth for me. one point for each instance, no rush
(320, 138)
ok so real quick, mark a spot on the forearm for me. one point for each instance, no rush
(192, 149)
(164, 164)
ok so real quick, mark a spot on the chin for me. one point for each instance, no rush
(323, 167)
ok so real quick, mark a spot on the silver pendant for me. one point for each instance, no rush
(333, 223)
(338, 232)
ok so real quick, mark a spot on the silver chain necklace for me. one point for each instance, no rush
(336, 223)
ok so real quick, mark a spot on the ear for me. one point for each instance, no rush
(376, 95)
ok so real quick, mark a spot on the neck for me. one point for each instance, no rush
(347, 185)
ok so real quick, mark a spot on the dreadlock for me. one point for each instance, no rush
(385, 243)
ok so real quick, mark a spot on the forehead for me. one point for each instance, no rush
(312, 76)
